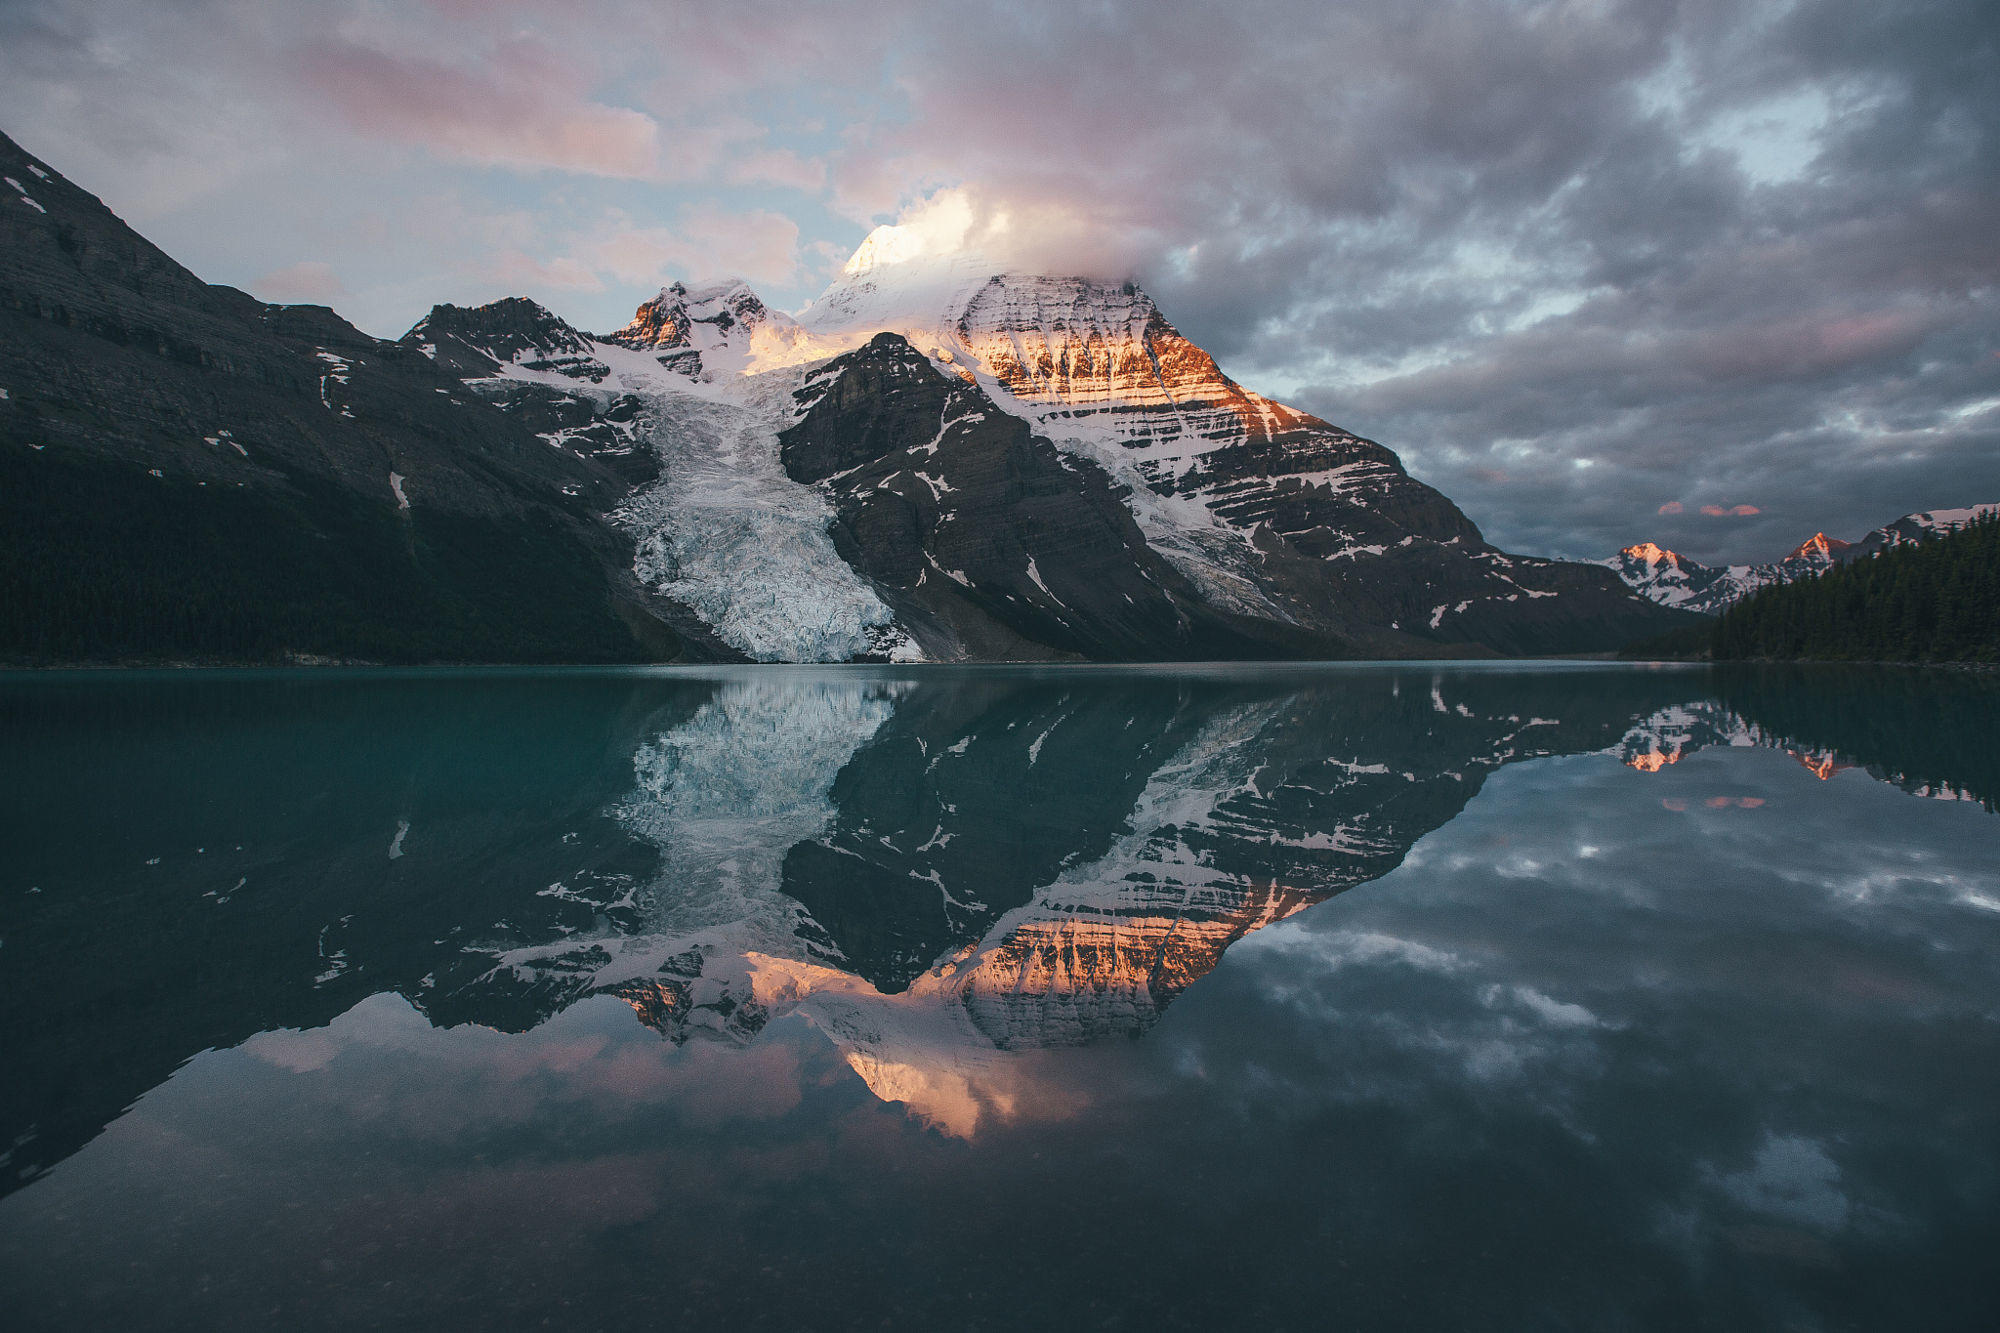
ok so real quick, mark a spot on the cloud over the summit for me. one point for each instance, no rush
(1591, 266)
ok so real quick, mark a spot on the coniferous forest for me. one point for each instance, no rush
(1932, 601)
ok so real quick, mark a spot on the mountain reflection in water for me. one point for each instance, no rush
(938, 870)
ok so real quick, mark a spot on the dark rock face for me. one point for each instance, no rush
(471, 341)
(979, 531)
(191, 474)
(474, 343)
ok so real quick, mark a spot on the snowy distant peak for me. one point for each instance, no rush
(1673, 580)
(1916, 527)
(477, 340)
(1651, 554)
(723, 329)
(1820, 549)
(690, 317)
(893, 246)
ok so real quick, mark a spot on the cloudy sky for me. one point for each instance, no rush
(1717, 274)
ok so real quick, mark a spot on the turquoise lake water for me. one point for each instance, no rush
(1522, 996)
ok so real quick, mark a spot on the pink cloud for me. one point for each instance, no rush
(1671, 507)
(523, 109)
(1732, 511)
(1863, 337)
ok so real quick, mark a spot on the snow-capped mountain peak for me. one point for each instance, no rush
(1194, 511)
(1820, 549)
(722, 329)
(1673, 580)
(1916, 527)
(675, 317)
(475, 340)
(1653, 554)
(900, 245)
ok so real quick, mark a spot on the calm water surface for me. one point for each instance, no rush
(1564, 997)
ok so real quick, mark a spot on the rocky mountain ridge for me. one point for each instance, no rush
(1267, 532)
(190, 474)
(1030, 467)
(1673, 580)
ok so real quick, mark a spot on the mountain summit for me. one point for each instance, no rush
(1675, 581)
(1268, 531)
(1820, 549)
(938, 460)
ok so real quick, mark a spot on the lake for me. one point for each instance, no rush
(1466, 996)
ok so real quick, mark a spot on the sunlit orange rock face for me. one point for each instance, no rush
(1820, 549)
(1821, 764)
(654, 325)
(1070, 978)
(1654, 762)
(1103, 359)
(1088, 346)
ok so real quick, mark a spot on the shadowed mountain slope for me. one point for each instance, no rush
(189, 473)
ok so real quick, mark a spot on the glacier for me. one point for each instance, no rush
(723, 530)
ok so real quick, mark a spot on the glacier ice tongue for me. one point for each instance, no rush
(727, 533)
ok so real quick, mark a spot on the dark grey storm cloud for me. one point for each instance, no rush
(1578, 261)
(1626, 258)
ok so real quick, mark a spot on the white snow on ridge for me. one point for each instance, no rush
(1940, 519)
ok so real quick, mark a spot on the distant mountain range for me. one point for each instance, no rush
(1673, 580)
(937, 460)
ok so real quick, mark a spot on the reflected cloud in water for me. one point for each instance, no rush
(1688, 985)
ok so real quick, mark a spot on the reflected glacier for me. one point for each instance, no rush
(815, 859)
(940, 869)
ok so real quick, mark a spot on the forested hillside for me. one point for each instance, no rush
(1931, 601)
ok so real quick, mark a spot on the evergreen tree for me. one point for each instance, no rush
(1937, 600)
